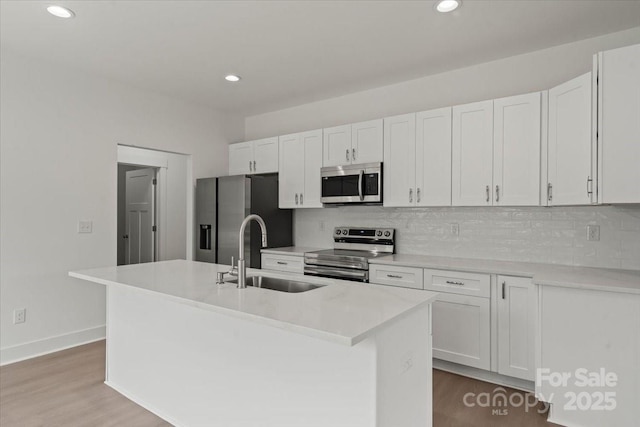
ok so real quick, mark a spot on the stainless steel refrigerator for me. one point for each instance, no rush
(221, 205)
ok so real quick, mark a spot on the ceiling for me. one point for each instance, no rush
(293, 52)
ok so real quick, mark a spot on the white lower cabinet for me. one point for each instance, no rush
(461, 317)
(517, 307)
(285, 263)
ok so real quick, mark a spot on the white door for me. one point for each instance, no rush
(517, 308)
(472, 154)
(619, 127)
(265, 155)
(366, 142)
(140, 219)
(516, 150)
(433, 158)
(336, 146)
(311, 191)
(399, 160)
(462, 330)
(291, 165)
(569, 152)
(241, 158)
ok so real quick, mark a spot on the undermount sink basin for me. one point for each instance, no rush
(282, 285)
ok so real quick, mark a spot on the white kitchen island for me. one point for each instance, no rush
(201, 354)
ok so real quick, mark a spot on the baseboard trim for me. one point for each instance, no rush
(20, 352)
(482, 375)
(145, 405)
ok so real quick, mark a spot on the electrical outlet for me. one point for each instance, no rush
(321, 225)
(85, 226)
(593, 233)
(19, 315)
(455, 229)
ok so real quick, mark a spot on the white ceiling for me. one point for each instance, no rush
(293, 52)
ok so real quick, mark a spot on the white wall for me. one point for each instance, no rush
(59, 135)
(518, 74)
(555, 235)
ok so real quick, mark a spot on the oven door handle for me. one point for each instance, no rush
(360, 182)
(331, 272)
(334, 263)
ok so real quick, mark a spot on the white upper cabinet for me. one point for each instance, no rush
(367, 142)
(351, 144)
(433, 158)
(260, 156)
(516, 150)
(300, 158)
(336, 146)
(472, 154)
(619, 125)
(399, 160)
(570, 145)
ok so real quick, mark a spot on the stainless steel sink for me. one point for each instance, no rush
(282, 285)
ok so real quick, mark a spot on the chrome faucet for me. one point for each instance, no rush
(242, 270)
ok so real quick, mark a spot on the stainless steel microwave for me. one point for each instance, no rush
(352, 184)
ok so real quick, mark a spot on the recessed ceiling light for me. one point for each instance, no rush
(232, 78)
(60, 12)
(445, 6)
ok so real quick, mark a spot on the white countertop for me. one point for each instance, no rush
(290, 250)
(603, 279)
(342, 312)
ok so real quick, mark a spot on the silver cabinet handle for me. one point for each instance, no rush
(254, 165)
(347, 155)
(487, 194)
(296, 198)
(249, 165)
(282, 263)
(451, 282)
(549, 191)
(411, 195)
(504, 285)
(497, 193)
(418, 195)
(353, 153)
(394, 276)
(301, 199)
(589, 186)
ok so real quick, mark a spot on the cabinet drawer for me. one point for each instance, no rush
(406, 277)
(287, 263)
(458, 283)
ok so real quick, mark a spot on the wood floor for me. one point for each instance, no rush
(67, 389)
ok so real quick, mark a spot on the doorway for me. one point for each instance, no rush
(137, 221)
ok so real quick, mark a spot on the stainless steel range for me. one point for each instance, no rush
(353, 248)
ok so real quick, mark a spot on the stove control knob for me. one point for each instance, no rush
(338, 232)
(378, 233)
(344, 231)
(387, 233)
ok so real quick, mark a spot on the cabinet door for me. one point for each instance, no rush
(569, 144)
(619, 125)
(462, 330)
(265, 153)
(366, 142)
(472, 151)
(336, 146)
(399, 160)
(291, 179)
(517, 306)
(241, 158)
(516, 150)
(433, 158)
(310, 194)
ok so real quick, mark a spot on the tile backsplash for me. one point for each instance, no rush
(555, 235)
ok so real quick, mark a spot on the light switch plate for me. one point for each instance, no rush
(593, 233)
(85, 226)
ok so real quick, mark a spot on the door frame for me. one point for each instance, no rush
(160, 159)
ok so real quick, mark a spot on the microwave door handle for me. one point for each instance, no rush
(360, 182)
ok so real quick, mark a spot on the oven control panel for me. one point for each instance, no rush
(363, 234)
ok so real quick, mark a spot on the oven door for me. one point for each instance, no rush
(337, 273)
(352, 184)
